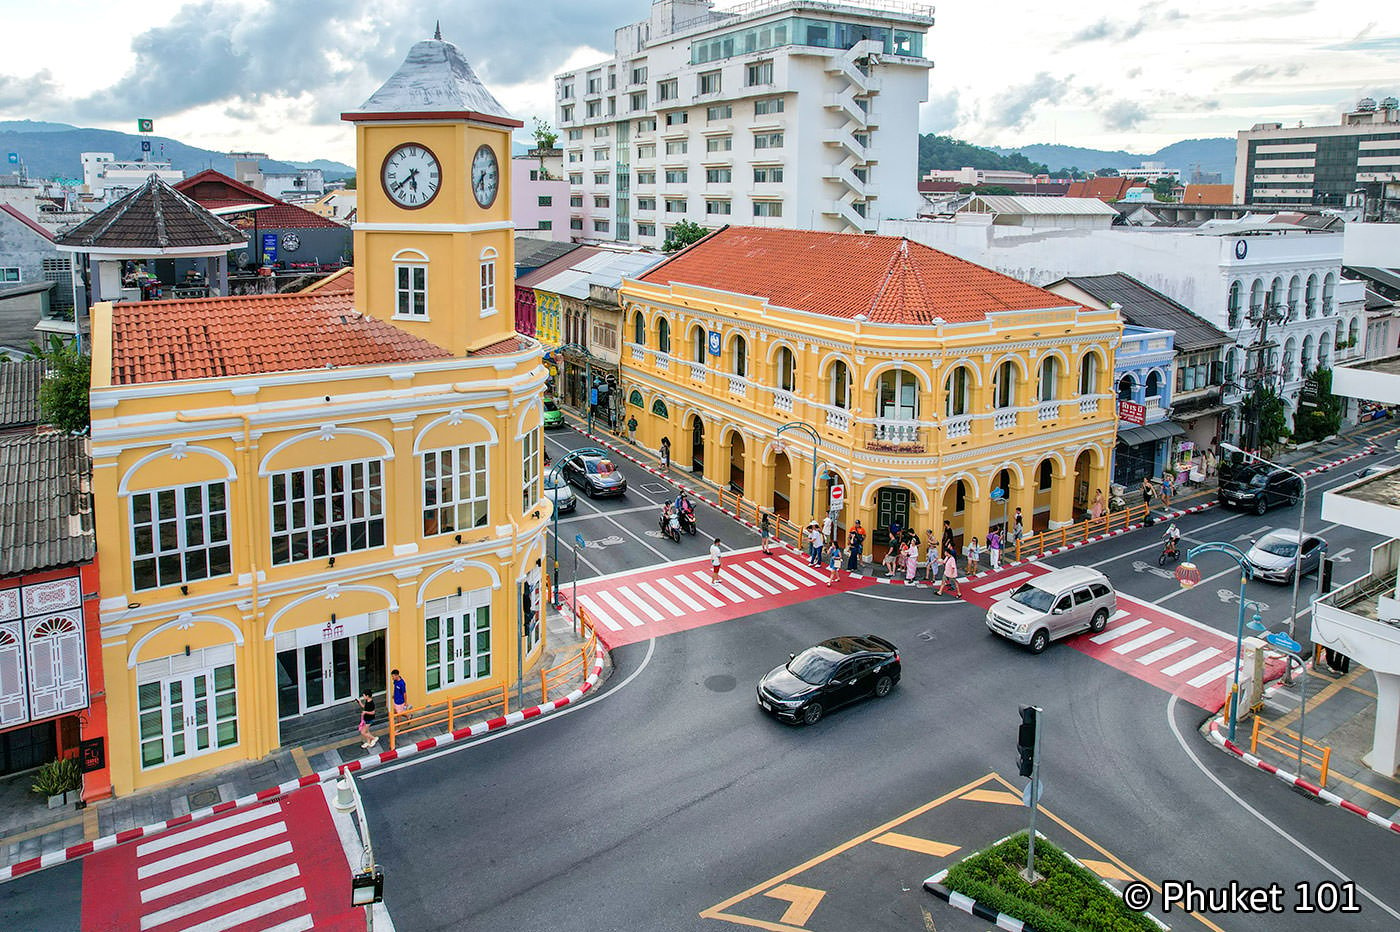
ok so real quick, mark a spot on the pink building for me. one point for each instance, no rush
(539, 207)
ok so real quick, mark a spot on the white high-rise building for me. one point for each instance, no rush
(774, 112)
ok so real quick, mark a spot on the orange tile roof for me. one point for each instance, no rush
(1209, 194)
(339, 282)
(889, 279)
(1108, 189)
(164, 341)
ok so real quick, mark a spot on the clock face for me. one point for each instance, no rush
(411, 176)
(486, 176)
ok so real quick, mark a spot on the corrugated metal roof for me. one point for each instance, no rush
(1147, 307)
(531, 253)
(604, 268)
(19, 393)
(45, 502)
(1031, 205)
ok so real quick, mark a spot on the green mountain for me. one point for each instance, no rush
(1211, 155)
(54, 150)
(945, 152)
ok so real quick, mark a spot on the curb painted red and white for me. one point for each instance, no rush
(1291, 779)
(369, 762)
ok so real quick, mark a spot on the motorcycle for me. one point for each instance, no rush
(669, 527)
(688, 522)
(1170, 551)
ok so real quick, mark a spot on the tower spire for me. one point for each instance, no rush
(437, 31)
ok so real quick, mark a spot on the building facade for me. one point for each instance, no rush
(779, 113)
(540, 205)
(303, 491)
(782, 363)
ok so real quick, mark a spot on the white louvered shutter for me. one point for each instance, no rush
(43, 675)
(72, 671)
(14, 697)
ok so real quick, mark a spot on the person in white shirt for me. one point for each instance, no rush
(714, 562)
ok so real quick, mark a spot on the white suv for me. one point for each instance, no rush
(1054, 606)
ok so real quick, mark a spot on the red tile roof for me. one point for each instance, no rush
(212, 190)
(1105, 189)
(339, 282)
(163, 341)
(26, 220)
(888, 279)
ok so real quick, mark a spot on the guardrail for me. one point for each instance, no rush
(561, 673)
(447, 713)
(1037, 544)
(1318, 756)
(783, 529)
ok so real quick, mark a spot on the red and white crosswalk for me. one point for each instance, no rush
(278, 867)
(647, 603)
(1170, 651)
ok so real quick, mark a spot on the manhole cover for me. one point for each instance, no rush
(720, 683)
(201, 798)
(655, 488)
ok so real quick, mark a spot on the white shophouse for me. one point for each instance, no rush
(772, 113)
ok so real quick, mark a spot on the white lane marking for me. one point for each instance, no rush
(598, 613)
(622, 611)
(1156, 634)
(719, 587)
(638, 601)
(1113, 634)
(208, 851)
(1171, 720)
(678, 594)
(886, 598)
(660, 599)
(703, 591)
(1003, 581)
(221, 869)
(792, 563)
(790, 574)
(299, 924)
(777, 579)
(1232, 568)
(239, 918)
(223, 895)
(1173, 648)
(752, 577)
(1196, 659)
(181, 836)
(1214, 673)
(736, 580)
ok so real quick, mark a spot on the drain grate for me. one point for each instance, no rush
(201, 798)
(655, 488)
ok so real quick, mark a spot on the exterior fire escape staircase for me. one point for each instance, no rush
(848, 142)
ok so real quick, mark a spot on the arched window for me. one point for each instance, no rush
(1125, 388)
(1290, 350)
(1234, 305)
(740, 350)
(488, 282)
(1324, 351)
(635, 399)
(1232, 365)
(1329, 291)
(1089, 374)
(410, 284)
(787, 369)
(1310, 298)
(840, 392)
(1004, 386)
(1354, 332)
(1049, 379)
(663, 335)
(1306, 358)
(899, 396)
(1275, 296)
(1153, 389)
(1044, 475)
(639, 329)
(1256, 298)
(1295, 289)
(698, 344)
(658, 407)
(959, 392)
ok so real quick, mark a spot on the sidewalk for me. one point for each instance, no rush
(29, 830)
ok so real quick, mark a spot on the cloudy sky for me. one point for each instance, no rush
(274, 76)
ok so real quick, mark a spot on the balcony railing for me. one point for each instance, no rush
(738, 385)
(960, 426)
(838, 419)
(1088, 405)
(697, 372)
(782, 400)
(1047, 411)
(638, 353)
(897, 436)
(1004, 419)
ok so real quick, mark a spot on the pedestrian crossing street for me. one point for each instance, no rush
(1170, 651)
(278, 867)
(647, 603)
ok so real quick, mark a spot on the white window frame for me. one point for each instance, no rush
(10, 274)
(413, 265)
(488, 282)
(530, 467)
(215, 713)
(181, 528)
(456, 489)
(57, 671)
(462, 640)
(360, 508)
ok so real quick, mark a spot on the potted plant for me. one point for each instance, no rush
(59, 780)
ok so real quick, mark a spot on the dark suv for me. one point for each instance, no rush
(1258, 488)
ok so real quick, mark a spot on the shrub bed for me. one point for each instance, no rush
(1069, 899)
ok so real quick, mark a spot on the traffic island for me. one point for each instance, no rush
(1067, 896)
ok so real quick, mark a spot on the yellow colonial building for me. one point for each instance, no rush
(297, 493)
(781, 363)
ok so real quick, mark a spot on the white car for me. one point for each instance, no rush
(558, 491)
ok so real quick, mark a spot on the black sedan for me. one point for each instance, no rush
(596, 475)
(831, 674)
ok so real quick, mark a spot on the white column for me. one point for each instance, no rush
(1385, 750)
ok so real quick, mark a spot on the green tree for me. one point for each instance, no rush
(350, 183)
(1106, 172)
(682, 235)
(1162, 187)
(63, 398)
(1321, 415)
(937, 151)
(545, 136)
(1264, 409)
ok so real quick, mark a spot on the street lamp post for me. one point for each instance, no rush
(1294, 652)
(1302, 512)
(558, 471)
(811, 432)
(1187, 575)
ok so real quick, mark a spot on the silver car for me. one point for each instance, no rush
(1273, 556)
(1053, 606)
(558, 491)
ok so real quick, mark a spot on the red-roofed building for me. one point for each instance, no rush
(1107, 189)
(925, 381)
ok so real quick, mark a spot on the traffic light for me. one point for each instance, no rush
(1025, 740)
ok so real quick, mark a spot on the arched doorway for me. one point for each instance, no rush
(955, 510)
(697, 444)
(891, 504)
(736, 462)
(825, 480)
(1081, 484)
(782, 486)
(1000, 506)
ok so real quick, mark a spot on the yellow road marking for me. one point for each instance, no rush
(1322, 695)
(299, 758)
(804, 902)
(90, 830)
(1106, 870)
(994, 796)
(921, 845)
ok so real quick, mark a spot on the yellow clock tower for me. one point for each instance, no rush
(434, 248)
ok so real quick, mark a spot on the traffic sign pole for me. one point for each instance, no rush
(578, 545)
(1035, 800)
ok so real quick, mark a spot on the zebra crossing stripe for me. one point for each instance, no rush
(1113, 634)
(796, 564)
(1156, 634)
(701, 591)
(622, 611)
(782, 571)
(636, 600)
(1214, 673)
(753, 577)
(720, 588)
(1003, 581)
(599, 614)
(660, 599)
(671, 588)
(776, 579)
(1173, 648)
(1196, 659)
(733, 579)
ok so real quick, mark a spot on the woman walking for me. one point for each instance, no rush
(974, 557)
(366, 702)
(994, 548)
(833, 562)
(950, 574)
(911, 561)
(765, 527)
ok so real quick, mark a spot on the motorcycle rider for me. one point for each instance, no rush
(686, 511)
(675, 526)
(1171, 541)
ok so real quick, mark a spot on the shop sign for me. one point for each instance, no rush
(1132, 412)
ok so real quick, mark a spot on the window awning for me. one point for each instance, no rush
(1148, 433)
